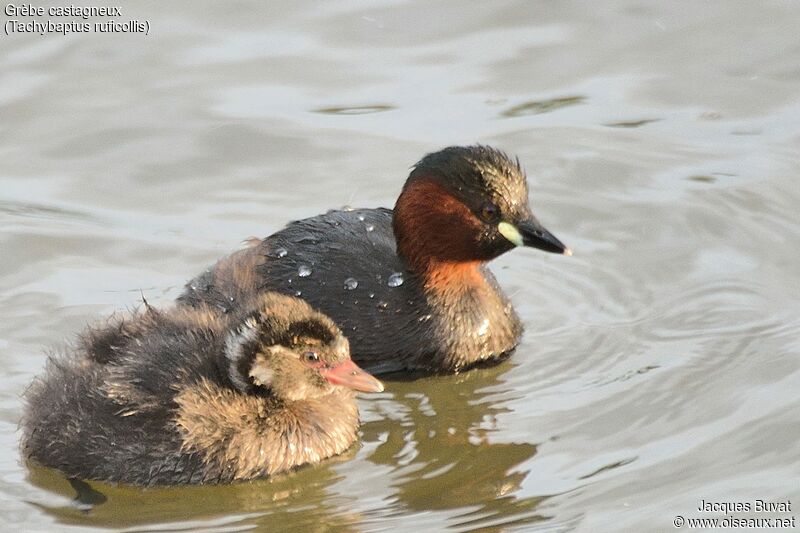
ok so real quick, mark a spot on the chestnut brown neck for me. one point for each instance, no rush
(437, 236)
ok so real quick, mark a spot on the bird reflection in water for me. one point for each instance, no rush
(438, 443)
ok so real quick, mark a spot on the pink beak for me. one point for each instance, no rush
(349, 374)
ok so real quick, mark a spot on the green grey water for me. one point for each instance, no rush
(661, 363)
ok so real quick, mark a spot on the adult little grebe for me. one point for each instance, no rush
(408, 287)
(195, 396)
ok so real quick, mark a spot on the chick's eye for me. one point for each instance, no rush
(489, 212)
(311, 357)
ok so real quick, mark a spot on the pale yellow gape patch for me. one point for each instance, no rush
(510, 232)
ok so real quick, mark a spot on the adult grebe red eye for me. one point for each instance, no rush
(311, 357)
(489, 213)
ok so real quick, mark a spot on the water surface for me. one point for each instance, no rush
(660, 364)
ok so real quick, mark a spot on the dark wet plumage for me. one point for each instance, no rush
(194, 396)
(409, 287)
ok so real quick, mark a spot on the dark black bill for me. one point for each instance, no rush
(536, 236)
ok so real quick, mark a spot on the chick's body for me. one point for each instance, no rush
(195, 396)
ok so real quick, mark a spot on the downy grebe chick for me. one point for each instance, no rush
(193, 396)
(409, 287)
